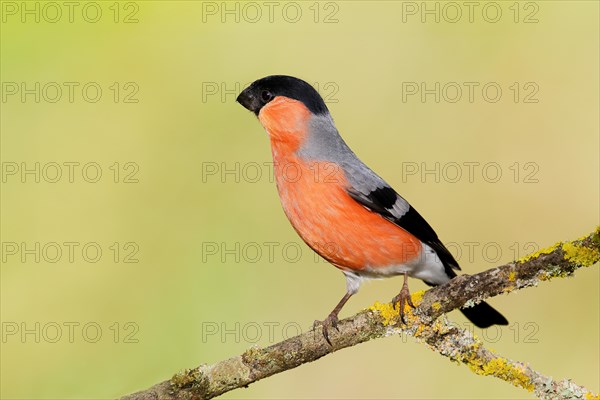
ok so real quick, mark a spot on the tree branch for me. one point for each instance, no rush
(560, 260)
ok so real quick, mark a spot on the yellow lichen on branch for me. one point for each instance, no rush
(590, 396)
(502, 368)
(581, 255)
(573, 250)
(389, 313)
(537, 254)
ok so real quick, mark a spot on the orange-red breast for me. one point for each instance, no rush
(341, 208)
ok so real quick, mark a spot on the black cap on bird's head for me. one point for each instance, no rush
(262, 91)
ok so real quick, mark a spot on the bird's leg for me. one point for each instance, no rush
(332, 318)
(403, 298)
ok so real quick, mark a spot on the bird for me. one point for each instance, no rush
(342, 209)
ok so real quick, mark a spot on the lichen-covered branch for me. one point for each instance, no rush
(560, 260)
(461, 346)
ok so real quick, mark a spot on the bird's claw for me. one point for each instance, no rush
(402, 299)
(330, 321)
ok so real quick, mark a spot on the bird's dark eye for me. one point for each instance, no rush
(266, 95)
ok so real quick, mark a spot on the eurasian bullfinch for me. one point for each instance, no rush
(341, 208)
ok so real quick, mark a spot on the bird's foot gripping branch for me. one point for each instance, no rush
(422, 322)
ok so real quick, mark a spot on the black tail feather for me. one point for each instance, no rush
(483, 315)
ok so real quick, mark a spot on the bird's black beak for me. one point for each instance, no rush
(249, 101)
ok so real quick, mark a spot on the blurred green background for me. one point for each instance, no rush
(74, 327)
